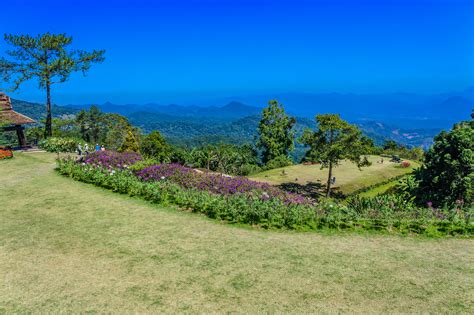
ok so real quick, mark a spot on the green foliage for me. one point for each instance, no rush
(131, 141)
(279, 161)
(140, 165)
(225, 158)
(333, 141)
(406, 187)
(111, 130)
(46, 57)
(378, 184)
(154, 146)
(447, 175)
(390, 148)
(389, 214)
(276, 135)
(57, 145)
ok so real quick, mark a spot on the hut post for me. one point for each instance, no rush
(21, 135)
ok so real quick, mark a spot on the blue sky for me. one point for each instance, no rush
(184, 51)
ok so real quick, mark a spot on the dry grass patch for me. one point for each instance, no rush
(348, 177)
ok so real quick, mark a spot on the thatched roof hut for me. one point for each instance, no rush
(11, 120)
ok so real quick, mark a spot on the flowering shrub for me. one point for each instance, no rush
(216, 183)
(58, 144)
(405, 164)
(5, 154)
(112, 159)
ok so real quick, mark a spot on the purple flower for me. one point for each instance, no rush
(112, 159)
(217, 184)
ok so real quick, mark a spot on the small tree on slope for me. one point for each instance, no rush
(333, 141)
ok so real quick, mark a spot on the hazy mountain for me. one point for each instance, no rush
(406, 110)
(410, 119)
(230, 111)
(38, 111)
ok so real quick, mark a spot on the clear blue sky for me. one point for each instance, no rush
(171, 51)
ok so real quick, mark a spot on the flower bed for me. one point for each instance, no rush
(238, 200)
(5, 154)
(217, 184)
(112, 159)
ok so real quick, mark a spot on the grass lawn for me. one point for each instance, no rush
(70, 247)
(348, 177)
(378, 190)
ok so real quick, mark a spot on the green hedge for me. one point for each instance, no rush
(244, 209)
(61, 144)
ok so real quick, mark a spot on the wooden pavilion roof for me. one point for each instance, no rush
(8, 116)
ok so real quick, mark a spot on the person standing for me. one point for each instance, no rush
(97, 147)
(102, 148)
(86, 149)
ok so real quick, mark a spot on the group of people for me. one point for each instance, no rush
(85, 149)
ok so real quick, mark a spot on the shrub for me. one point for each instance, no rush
(58, 144)
(448, 172)
(280, 161)
(154, 146)
(405, 164)
(112, 159)
(216, 183)
(140, 165)
(5, 153)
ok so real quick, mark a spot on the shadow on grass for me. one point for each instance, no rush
(312, 190)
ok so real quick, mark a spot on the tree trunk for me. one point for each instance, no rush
(328, 187)
(48, 131)
(21, 136)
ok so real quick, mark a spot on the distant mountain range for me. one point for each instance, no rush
(409, 119)
(230, 123)
(405, 110)
(230, 111)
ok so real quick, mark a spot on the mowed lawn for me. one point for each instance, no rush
(348, 176)
(70, 247)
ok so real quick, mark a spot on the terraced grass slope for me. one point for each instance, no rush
(348, 177)
(70, 247)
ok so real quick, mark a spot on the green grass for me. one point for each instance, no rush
(349, 178)
(379, 190)
(70, 247)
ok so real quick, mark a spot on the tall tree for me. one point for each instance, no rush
(276, 135)
(47, 58)
(447, 175)
(333, 141)
(154, 146)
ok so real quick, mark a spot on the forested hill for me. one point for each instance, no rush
(234, 123)
(192, 130)
(38, 111)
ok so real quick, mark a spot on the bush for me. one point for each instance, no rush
(5, 153)
(405, 164)
(447, 176)
(280, 161)
(216, 183)
(112, 159)
(57, 144)
(155, 146)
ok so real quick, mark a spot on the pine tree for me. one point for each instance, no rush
(276, 135)
(47, 58)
